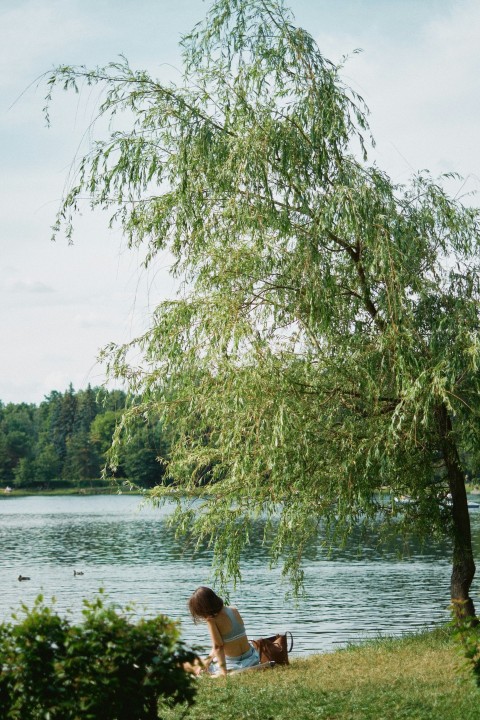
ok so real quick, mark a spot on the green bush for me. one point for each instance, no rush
(90, 483)
(467, 635)
(57, 484)
(103, 668)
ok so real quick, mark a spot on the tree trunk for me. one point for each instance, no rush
(463, 565)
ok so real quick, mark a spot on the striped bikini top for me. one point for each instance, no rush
(238, 628)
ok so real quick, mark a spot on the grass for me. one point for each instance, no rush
(420, 676)
(100, 490)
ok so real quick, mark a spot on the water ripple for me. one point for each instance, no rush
(133, 555)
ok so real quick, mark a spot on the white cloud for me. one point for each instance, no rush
(32, 30)
(92, 319)
(424, 95)
(29, 286)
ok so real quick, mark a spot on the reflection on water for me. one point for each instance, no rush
(131, 553)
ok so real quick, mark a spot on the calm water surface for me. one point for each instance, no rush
(129, 551)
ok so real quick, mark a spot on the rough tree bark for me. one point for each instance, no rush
(463, 565)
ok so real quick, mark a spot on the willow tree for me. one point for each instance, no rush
(322, 353)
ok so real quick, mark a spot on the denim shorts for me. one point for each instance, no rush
(248, 659)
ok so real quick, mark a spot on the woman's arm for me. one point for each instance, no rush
(217, 645)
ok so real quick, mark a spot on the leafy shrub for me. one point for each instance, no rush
(104, 668)
(467, 635)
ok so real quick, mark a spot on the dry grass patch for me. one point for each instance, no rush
(401, 662)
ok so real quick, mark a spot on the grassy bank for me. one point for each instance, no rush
(98, 488)
(112, 490)
(101, 490)
(417, 677)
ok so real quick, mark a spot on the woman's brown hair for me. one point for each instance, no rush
(204, 603)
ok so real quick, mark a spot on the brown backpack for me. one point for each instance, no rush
(274, 648)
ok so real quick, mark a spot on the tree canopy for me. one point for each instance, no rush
(323, 349)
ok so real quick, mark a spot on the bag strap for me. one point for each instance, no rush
(291, 640)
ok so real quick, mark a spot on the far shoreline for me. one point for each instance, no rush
(472, 489)
(78, 492)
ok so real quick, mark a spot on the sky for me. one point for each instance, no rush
(419, 73)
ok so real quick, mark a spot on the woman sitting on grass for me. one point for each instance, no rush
(230, 647)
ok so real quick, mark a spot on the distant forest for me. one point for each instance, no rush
(62, 442)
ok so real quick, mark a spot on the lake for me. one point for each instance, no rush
(130, 552)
